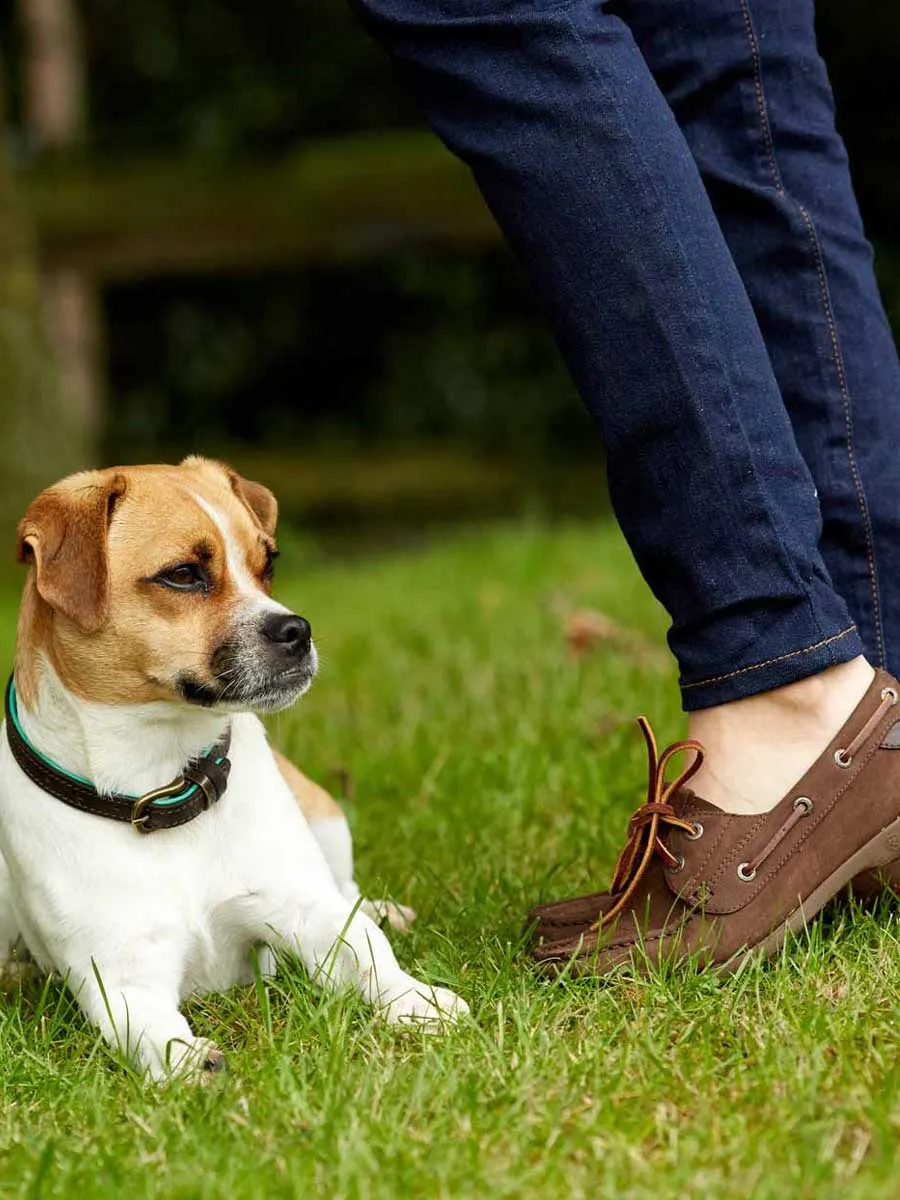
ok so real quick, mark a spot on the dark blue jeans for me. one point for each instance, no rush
(670, 177)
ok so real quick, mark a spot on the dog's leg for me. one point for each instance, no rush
(329, 827)
(333, 835)
(9, 928)
(136, 1010)
(341, 946)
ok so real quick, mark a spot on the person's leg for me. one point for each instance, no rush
(582, 163)
(751, 94)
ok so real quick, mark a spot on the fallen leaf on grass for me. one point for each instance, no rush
(585, 627)
(603, 726)
(833, 991)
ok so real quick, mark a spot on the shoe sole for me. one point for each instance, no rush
(878, 852)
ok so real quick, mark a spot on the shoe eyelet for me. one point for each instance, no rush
(892, 692)
(744, 875)
(697, 834)
(679, 866)
(840, 757)
(804, 804)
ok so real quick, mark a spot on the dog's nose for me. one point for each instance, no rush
(289, 632)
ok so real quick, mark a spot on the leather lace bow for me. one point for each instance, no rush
(644, 840)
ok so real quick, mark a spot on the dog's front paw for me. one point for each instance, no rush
(196, 1061)
(421, 1006)
(15, 972)
(399, 916)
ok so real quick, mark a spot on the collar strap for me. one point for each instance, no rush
(201, 784)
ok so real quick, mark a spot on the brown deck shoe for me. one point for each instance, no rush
(561, 919)
(696, 882)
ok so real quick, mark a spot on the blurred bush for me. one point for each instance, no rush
(406, 348)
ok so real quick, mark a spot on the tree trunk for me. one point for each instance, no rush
(42, 436)
(53, 68)
(55, 118)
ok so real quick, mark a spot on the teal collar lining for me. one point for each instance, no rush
(202, 782)
(163, 803)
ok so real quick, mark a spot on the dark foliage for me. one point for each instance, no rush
(443, 345)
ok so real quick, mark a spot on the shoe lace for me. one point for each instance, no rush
(644, 828)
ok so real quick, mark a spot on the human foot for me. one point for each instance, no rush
(697, 880)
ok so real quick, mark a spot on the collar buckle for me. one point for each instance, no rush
(140, 814)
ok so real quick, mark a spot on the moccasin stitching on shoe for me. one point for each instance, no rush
(566, 914)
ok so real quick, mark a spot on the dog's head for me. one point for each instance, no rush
(154, 583)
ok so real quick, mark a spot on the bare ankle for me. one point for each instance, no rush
(830, 691)
(757, 748)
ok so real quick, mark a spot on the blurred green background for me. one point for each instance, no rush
(231, 229)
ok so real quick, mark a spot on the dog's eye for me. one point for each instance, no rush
(186, 577)
(269, 569)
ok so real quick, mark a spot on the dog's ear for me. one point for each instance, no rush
(64, 534)
(258, 499)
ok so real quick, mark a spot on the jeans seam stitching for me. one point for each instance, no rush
(768, 138)
(771, 661)
(769, 144)
(848, 425)
(761, 107)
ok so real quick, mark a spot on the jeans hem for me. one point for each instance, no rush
(775, 672)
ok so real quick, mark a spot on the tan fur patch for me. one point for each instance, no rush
(315, 803)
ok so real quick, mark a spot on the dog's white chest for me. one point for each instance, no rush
(202, 896)
(220, 953)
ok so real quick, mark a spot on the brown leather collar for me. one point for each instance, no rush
(201, 784)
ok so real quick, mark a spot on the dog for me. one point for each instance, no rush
(151, 841)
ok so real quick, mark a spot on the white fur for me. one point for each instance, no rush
(137, 923)
(333, 835)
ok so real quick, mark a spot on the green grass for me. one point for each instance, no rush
(489, 769)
